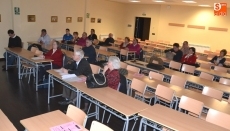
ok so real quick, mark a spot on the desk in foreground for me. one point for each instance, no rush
(5, 124)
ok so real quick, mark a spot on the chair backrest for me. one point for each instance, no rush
(178, 81)
(138, 85)
(221, 69)
(218, 118)
(165, 93)
(123, 65)
(33, 49)
(77, 47)
(156, 76)
(191, 105)
(205, 65)
(188, 69)
(124, 52)
(175, 65)
(97, 126)
(103, 48)
(207, 51)
(77, 115)
(202, 57)
(206, 76)
(212, 93)
(133, 69)
(211, 55)
(95, 69)
(224, 81)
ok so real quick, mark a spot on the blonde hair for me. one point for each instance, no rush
(115, 62)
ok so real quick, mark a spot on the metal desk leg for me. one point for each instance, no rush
(79, 99)
(6, 60)
(36, 79)
(97, 111)
(141, 122)
(19, 68)
(127, 124)
(49, 89)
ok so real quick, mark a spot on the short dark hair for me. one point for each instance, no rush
(67, 29)
(75, 33)
(44, 30)
(136, 39)
(224, 51)
(127, 39)
(93, 30)
(176, 45)
(10, 31)
(193, 49)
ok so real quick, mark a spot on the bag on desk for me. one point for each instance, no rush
(96, 81)
(155, 66)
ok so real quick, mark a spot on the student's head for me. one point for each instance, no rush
(43, 32)
(11, 33)
(75, 34)
(110, 35)
(192, 50)
(88, 43)
(55, 44)
(114, 62)
(78, 55)
(67, 31)
(127, 40)
(135, 41)
(84, 35)
(176, 46)
(223, 52)
(92, 31)
(185, 44)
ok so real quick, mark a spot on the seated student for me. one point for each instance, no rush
(185, 48)
(176, 52)
(82, 40)
(44, 37)
(111, 72)
(67, 38)
(14, 41)
(75, 37)
(135, 47)
(92, 35)
(90, 52)
(190, 58)
(125, 44)
(56, 55)
(219, 60)
(109, 41)
(80, 67)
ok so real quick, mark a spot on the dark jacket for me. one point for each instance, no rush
(83, 68)
(90, 53)
(92, 37)
(123, 84)
(15, 42)
(220, 62)
(178, 55)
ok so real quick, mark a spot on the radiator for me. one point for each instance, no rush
(200, 48)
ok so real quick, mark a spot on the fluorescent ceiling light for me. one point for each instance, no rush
(205, 5)
(134, 0)
(188, 1)
(159, 1)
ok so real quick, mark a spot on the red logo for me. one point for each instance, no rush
(220, 9)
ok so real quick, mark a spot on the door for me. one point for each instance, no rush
(142, 28)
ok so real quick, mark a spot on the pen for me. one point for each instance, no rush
(77, 126)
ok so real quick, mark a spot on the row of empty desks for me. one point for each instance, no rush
(26, 56)
(108, 99)
(5, 124)
(193, 81)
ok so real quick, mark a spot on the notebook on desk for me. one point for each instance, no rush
(70, 126)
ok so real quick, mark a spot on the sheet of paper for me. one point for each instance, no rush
(58, 70)
(74, 79)
(70, 126)
(37, 58)
(68, 76)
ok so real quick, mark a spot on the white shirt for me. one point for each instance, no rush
(54, 50)
(45, 39)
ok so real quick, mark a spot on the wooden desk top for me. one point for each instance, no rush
(106, 53)
(214, 72)
(176, 120)
(45, 121)
(27, 54)
(110, 97)
(5, 124)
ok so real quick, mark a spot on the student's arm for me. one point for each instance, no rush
(213, 59)
(221, 62)
(178, 56)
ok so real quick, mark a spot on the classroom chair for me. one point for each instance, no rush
(178, 81)
(188, 69)
(211, 92)
(133, 69)
(140, 91)
(192, 106)
(165, 95)
(174, 65)
(224, 81)
(206, 76)
(77, 47)
(123, 65)
(97, 126)
(124, 53)
(202, 57)
(103, 48)
(77, 115)
(205, 65)
(221, 69)
(218, 118)
(157, 76)
(95, 69)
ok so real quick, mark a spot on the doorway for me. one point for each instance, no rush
(142, 28)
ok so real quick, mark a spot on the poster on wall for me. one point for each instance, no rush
(99, 20)
(79, 19)
(16, 10)
(68, 19)
(31, 18)
(92, 20)
(54, 19)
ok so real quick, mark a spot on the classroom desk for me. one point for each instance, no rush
(112, 101)
(159, 116)
(45, 121)
(191, 80)
(5, 124)
(25, 55)
(214, 72)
